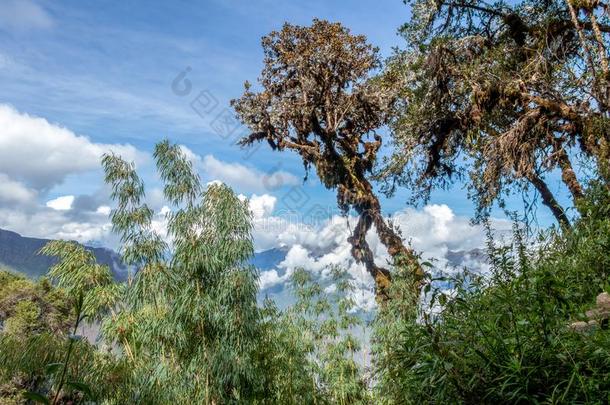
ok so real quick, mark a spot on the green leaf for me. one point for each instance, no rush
(523, 322)
(52, 368)
(33, 396)
(82, 387)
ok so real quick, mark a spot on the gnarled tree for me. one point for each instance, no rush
(504, 93)
(317, 100)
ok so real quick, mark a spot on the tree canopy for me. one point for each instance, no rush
(502, 94)
(188, 319)
(318, 99)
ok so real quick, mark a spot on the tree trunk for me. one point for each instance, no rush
(549, 200)
(370, 214)
(362, 253)
(569, 177)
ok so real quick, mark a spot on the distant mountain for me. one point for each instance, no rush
(460, 258)
(20, 253)
(268, 259)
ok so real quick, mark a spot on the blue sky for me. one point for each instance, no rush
(104, 71)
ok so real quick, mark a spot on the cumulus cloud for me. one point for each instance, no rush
(271, 278)
(35, 156)
(41, 154)
(262, 206)
(13, 192)
(50, 223)
(244, 178)
(435, 232)
(62, 203)
(60, 222)
(103, 210)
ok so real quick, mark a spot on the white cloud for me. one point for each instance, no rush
(55, 224)
(433, 231)
(13, 192)
(24, 15)
(41, 154)
(60, 222)
(298, 257)
(36, 155)
(442, 216)
(62, 203)
(103, 209)
(242, 178)
(270, 278)
(262, 206)
(245, 178)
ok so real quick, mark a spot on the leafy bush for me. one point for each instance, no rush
(33, 366)
(28, 307)
(505, 338)
(37, 318)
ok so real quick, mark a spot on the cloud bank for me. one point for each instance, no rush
(37, 156)
(239, 176)
(434, 231)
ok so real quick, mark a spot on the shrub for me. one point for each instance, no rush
(505, 337)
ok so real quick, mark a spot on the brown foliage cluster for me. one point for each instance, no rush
(515, 91)
(317, 99)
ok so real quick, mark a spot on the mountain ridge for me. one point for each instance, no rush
(20, 253)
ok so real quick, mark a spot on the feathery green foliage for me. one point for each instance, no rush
(188, 321)
(84, 280)
(311, 351)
